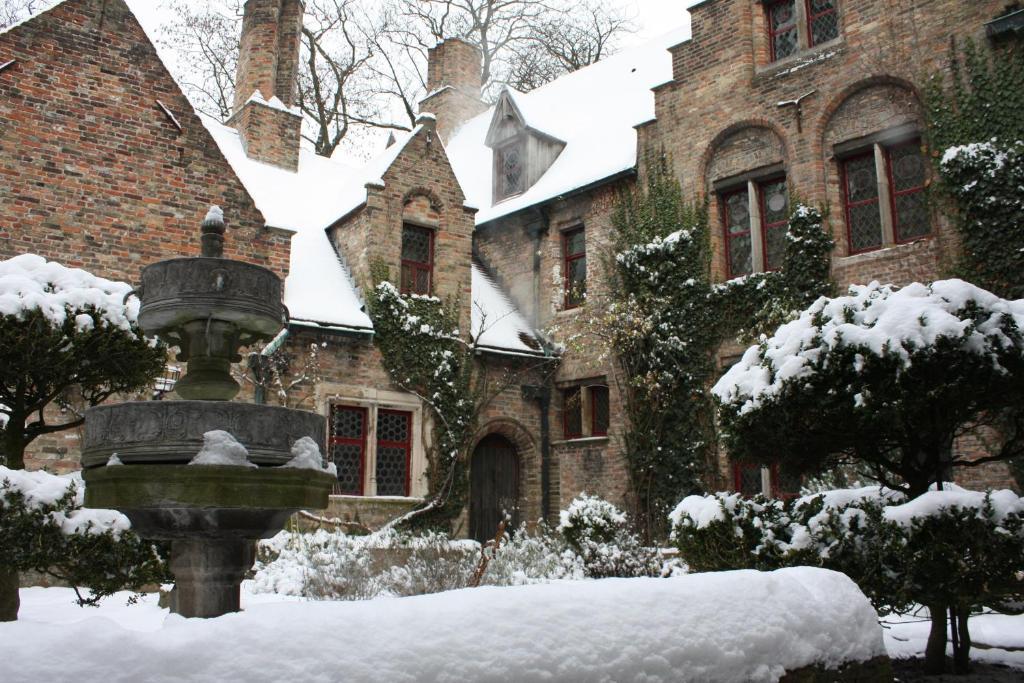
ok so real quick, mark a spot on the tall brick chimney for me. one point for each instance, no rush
(265, 85)
(453, 85)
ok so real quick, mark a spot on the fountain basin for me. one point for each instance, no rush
(171, 432)
(182, 290)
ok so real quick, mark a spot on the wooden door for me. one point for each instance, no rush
(493, 487)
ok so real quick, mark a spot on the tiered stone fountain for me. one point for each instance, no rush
(212, 514)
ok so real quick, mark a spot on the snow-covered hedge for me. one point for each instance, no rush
(335, 566)
(945, 547)
(44, 527)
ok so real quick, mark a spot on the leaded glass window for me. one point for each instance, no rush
(774, 197)
(347, 447)
(863, 219)
(747, 478)
(394, 447)
(907, 175)
(511, 170)
(574, 252)
(822, 21)
(782, 28)
(736, 216)
(417, 259)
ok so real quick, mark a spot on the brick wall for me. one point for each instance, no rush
(92, 172)
(720, 115)
(453, 85)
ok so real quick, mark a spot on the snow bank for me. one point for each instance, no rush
(684, 628)
(29, 282)
(881, 320)
(221, 448)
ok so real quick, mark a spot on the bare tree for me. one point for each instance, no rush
(335, 86)
(13, 11)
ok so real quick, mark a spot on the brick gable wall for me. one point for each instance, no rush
(93, 173)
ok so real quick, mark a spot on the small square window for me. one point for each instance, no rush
(417, 259)
(574, 267)
(585, 411)
(782, 28)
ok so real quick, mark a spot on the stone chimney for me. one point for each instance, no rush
(453, 85)
(265, 86)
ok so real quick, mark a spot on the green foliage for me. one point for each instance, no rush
(41, 362)
(598, 532)
(33, 536)
(891, 400)
(418, 337)
(957, 555)
(667, 320)
(975, 125)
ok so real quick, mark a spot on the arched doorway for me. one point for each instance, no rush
(493, 486)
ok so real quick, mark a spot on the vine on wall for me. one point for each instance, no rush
(666, 320)
(423, 352)
(975, 126)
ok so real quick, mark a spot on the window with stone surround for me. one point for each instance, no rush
(755, 216)
(574, 267)
(884, 196)
(585, 411)
(795, 25)
(371, 462)
(417, 259)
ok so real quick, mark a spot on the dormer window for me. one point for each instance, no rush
(417, 259)
(509, 171)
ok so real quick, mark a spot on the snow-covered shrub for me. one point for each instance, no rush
(44, 527)
(951, 550)
(727, 531)
(330, 565)
(885, 377)
(600, 534)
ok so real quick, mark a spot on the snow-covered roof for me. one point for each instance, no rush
(496, 324)
(594, 110)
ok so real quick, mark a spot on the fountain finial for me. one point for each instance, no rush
(212, 233)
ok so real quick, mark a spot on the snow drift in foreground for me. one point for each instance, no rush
(725, 626)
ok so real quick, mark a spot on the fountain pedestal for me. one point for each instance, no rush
(211, 514)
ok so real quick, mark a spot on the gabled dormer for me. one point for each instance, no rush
(522, 153)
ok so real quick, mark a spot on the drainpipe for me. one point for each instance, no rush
(542, 394)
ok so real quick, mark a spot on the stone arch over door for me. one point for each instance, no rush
(493, 486)
(528, 461)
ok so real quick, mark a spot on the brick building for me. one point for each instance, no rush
(504, 208)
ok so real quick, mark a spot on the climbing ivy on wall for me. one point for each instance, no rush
(423, 352)
(666, 320)
(977, 131)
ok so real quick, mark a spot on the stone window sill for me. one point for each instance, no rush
(800, 61)
(582, 441)
(376, 499)
(882, 252)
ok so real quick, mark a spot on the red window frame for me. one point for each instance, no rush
(416, 267)
(847, 204)
(893, 194)
(723, 199)
(810, 21)
(349, 441)
(568, 258)
(765, 225)
(773, 480)
(771, 29)
(406, 445)
(595, 430)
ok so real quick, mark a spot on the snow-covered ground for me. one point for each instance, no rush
(724, 626)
